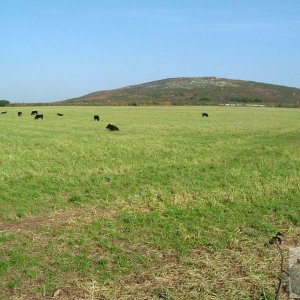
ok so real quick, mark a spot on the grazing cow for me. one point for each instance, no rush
(96, 118)
(19, 113)
(205, 115)
(34, 112)
(3, 112)
(59, 114)
(112, 127)
(39, 117)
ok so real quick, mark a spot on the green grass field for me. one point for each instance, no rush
(173, 206)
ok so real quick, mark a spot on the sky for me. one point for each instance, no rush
(52, 50)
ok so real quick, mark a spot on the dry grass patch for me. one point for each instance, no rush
(69, 217)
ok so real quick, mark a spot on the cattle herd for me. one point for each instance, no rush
(41, 116)
(110, 127)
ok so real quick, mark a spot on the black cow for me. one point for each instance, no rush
(3, 112)
(96, 118)
(39, 117)
(205, 115)
(59, 114)
(34, 112)
(112, 127)
(19, 113)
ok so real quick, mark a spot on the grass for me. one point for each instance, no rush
(173, 206)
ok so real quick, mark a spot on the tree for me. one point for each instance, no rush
(4, 102)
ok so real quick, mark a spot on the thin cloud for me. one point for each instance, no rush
(255, 25)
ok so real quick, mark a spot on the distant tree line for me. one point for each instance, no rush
(245, 100)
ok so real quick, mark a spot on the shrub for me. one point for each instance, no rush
(4, 102)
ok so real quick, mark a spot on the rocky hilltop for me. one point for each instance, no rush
(194, 91)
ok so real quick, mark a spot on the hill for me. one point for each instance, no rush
(194, 91)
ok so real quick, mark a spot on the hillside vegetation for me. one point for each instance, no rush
(194, 91)
(173, 206)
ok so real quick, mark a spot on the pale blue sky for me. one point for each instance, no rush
(58, 49)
